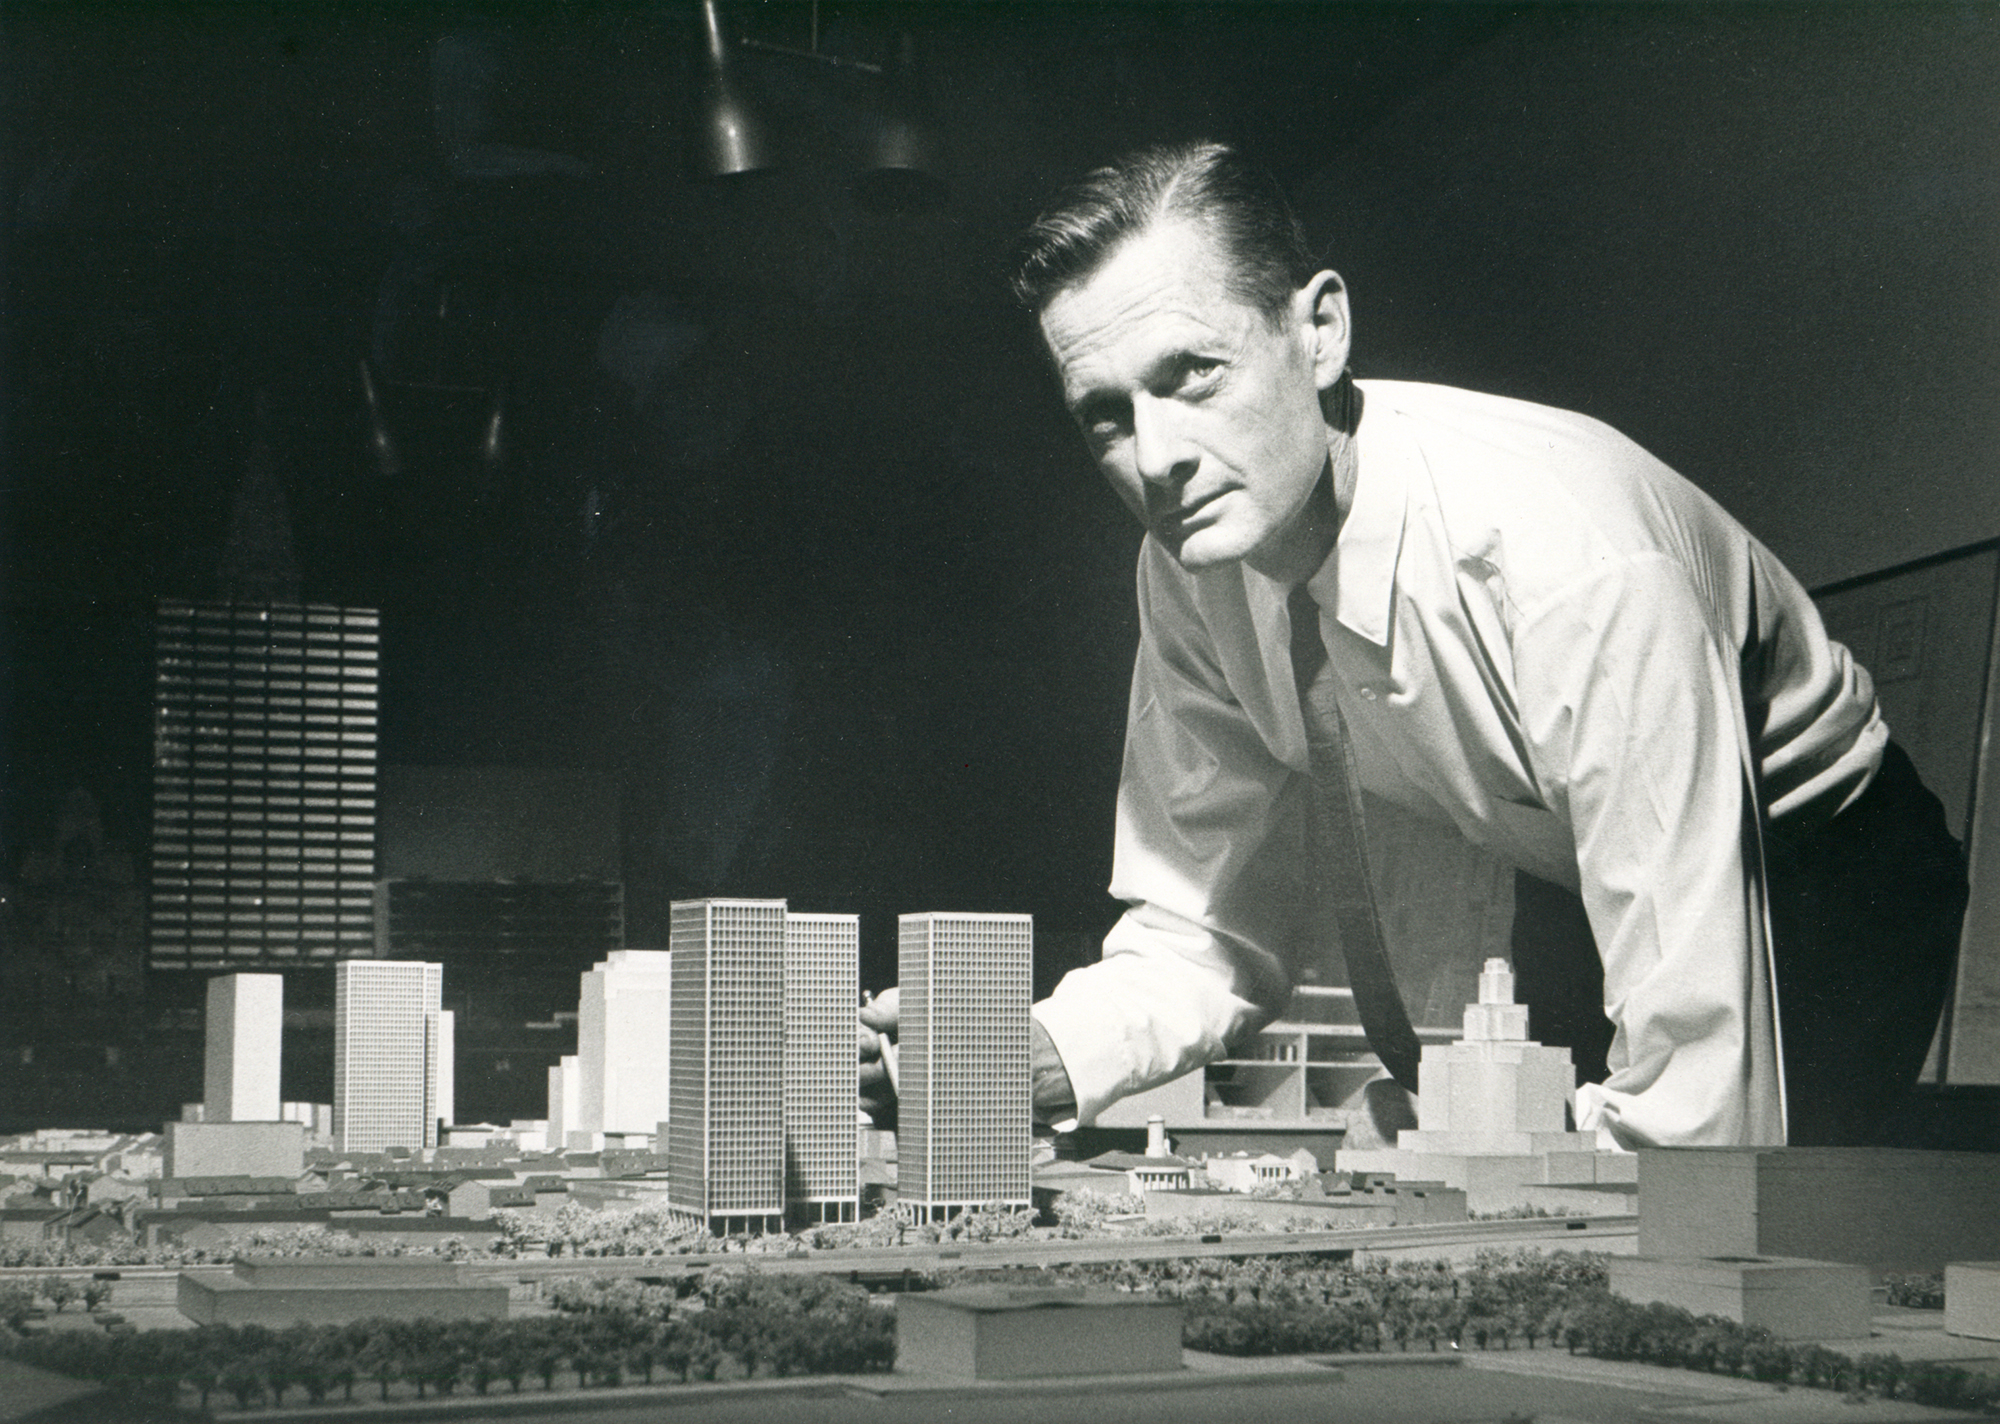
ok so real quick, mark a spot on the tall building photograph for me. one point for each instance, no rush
(264, 761)
(510, 877)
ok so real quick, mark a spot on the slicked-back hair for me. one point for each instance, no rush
(1239, 204)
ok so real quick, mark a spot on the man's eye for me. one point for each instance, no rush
(1104, 423)
(1197, 373)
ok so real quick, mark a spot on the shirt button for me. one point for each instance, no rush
(1369, 693)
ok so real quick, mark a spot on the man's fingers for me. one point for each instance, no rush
(881, 1111)
(874, 1073)
(879, 1013)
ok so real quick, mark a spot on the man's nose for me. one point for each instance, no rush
(1161, 451)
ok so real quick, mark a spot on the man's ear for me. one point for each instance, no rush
(1321, 310)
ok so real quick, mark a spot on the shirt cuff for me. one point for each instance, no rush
(1094, 1063)
(1054, 1098)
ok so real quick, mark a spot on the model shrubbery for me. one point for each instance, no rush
(1920, 1290)
(605, 1334)
(738, 1322)
(1284, 1305)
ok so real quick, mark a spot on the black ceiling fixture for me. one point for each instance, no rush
(901, 157)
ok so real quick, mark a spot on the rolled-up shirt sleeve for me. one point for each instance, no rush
(1208, 849)
(1630, 702)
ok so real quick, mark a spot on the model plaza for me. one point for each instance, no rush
(752, 1012)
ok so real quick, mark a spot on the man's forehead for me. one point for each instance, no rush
(1163, 284)
(1174, 252)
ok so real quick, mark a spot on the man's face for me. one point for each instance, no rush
(1202, 411)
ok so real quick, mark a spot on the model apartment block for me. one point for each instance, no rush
(263, 785)
(963, 1135)
(822, 986)
(390, 1042)
(725, 1126)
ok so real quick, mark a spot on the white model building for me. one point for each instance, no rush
(1490, 1112)
(242, 1047)
(623, 1029)
(387, 1044)
(822, 986)
(725, 1126)
(263, 785)
(963, 1131)
(565, 1103)
(444, 1111)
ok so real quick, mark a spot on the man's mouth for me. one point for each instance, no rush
(1185, 514)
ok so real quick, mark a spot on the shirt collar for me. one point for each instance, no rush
(1357, 583)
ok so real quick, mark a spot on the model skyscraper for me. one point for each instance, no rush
(263, 784)
(444, 1104)
(822, 985)
(565, 1101)
(623, 1029)
(242, 1048)
(725, 1128)
(389, 1045)
(963, 1131)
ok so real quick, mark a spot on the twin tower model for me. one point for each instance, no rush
(748, 1021)
(761, 1063)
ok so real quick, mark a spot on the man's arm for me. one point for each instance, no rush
(1209, 844)
(1209, 848)
(1632, 705)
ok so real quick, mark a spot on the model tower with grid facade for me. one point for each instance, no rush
(388, 1048)
(963, 1133)
(263, 785)
(822, 985)
(725, 1125)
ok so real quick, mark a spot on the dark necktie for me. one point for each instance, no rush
(1340, 852)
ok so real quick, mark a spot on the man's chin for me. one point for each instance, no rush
(1203, 549)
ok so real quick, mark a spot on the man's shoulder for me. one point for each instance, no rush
(1494, 424)
(1514, 459)
(1549, 495)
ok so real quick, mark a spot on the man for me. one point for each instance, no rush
(1532, 631)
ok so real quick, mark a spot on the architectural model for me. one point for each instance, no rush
(963, 1134)
(263, 784)
(623, 1029)
(241, 1048)
(822, 986)
(1490, 1111)
(389, 1041)
(565, 1101)
(1287, 1084)
(444, 1070)
(725, 1130)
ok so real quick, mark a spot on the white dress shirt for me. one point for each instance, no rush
(1544, 637)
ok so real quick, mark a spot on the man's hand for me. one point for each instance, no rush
(1054, 1101)
(877, 1052)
